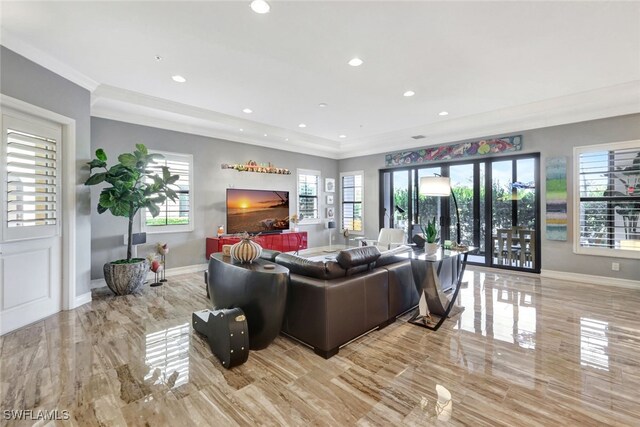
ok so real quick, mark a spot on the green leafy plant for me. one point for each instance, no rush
(430, 232)
(133, 186)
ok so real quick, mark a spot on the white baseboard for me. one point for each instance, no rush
(82, 299)
(590, 279)
(170, 272)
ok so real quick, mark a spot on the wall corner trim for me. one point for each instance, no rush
(590, 279)
(82, 299)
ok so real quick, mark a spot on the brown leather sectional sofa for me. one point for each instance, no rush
(330, 303)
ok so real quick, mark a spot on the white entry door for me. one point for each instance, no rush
(30, 244)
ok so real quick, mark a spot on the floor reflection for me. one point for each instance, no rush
(499, 311)
(167, 356)
(594, 343)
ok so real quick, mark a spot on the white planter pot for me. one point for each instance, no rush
(431, 248)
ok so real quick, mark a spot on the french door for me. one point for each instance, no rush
(498, 204)
(30, 241)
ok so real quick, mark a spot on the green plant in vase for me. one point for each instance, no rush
(430, 234)
(132, 186)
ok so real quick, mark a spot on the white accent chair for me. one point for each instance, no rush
(389, 238)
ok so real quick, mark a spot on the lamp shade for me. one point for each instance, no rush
(435, 186)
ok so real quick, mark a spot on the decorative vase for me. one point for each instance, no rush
(245, 251)
(418, 240)
(125, 279)
(431, 248)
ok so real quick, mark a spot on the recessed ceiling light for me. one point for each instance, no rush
(158, 58)
(409, 93)
(322, 105)
(247, 110)
(342, 136)
(265, 134)
(443, 113)
(286, 139)
(356, 62)
(241, 130)
(302, 125)
(178, 78)
(260, 6)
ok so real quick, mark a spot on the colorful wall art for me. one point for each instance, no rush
(455, 151)
(556, 195)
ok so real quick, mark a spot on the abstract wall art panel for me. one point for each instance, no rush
(556, 195)
(455, 151)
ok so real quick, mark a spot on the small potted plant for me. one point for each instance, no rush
(430, 234)
(132, 186)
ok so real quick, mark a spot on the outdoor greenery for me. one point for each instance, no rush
(132, 185)
(429, 207)
(166, 221)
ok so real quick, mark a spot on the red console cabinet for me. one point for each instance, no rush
(283, 242)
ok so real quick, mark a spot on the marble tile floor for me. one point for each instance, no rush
(526, 351)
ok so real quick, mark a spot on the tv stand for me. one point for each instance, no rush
(287, 241)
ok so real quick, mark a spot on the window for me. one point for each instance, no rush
(352, 192)
(607, 215)
(308, 196)
(174, 216)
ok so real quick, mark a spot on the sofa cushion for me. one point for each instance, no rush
(392, 256)
(269, 254)
(357, 260)
(305, 267)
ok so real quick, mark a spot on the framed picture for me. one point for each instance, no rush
(329, 199)
(330, 213)
(329, 185)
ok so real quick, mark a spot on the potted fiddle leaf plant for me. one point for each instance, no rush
(430, 234)
(132, 186)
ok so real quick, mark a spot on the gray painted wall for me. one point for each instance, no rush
(210, 184)
(549, 142)
(23, 79)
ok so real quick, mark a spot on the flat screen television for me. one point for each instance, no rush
(257, 211)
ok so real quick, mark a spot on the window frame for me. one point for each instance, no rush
(173, 228)
(342, 175)
(586, 250)
(318, 175)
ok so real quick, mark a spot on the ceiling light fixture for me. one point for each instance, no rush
(342, 136)
(241, 130)
(158, 58)
(178, 78)
(286, 139)
(443, 113)
(409, 93)
(265, 134)
(260, 6)
(356, 62)
(322, 105)
(302, 125)
(247, 110)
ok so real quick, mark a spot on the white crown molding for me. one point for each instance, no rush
(8, 40)
(590, 279)
(601, 103)
(132, 107)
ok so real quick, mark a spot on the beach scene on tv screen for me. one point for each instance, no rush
(256, 211)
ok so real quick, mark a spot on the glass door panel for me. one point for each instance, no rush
(462, 184)
(401, 200)
(526, 208)
(428, 206)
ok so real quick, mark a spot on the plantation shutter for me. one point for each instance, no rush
(308, 191)
(352, 201)
(609, 181)
(32, 178)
